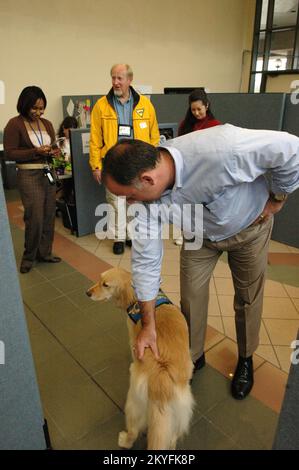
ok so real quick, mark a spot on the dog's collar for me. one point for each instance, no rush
(133, 310)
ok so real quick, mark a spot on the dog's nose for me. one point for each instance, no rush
(88, 293)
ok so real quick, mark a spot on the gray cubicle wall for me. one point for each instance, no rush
(286, 222)
(291, 116)
(170, 108)
(255, 111)
(252, 110)
(71, 103)
(286, 226)
(95, 98)
(21, 417)
(88, 193)
(75, 99)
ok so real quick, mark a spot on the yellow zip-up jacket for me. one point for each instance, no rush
(104, 126)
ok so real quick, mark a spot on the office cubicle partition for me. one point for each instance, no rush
(255, 111)
(88, 193)
(21, 415)
(286, 225)
(286, 222)
(170, 108)
(291, 114)
(79, 106)
(249, 110)
(252, 110)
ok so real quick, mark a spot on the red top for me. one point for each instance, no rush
(205, 123)
(202, 124)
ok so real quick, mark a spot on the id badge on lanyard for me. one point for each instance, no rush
(124, 130)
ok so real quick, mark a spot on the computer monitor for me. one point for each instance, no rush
(181, 90)
(168, 130)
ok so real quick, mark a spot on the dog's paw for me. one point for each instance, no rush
(123, 440)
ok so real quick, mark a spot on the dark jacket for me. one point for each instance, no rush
(17, 144)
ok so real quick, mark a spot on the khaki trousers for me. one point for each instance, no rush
(247, 258)
(120, 217)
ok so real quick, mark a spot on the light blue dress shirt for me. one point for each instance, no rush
(223, 168)
(124, 112)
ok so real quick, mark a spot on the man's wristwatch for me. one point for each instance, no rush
(278, 197)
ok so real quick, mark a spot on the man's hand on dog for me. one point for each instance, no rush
(147, 338)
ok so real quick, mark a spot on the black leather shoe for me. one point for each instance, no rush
(118, 248)
(50, 259)
(129, 243)
(199, 363)
(243, 378)
(25, 269)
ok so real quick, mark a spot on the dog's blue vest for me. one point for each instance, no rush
(133, 310)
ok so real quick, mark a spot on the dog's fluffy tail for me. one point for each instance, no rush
(160, 383)
(159, 426)
(150, 404)
(169, 421)
(160, 413)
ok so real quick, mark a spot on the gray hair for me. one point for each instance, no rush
(128, 68)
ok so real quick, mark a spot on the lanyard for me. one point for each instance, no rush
(40, 137)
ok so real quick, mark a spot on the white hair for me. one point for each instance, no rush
(128, 69)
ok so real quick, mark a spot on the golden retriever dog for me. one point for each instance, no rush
(159, 399)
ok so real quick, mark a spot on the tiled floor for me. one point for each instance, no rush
(82, 357)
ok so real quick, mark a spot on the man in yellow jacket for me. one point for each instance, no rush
(122, 113)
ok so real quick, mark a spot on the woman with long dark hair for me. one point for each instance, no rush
(199, 115)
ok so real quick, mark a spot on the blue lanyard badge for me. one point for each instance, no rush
(40, 137)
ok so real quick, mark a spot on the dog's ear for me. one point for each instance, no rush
(108, 283)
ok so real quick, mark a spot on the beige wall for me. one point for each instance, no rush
(282, 83)
(247, 46)
(67, 46)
